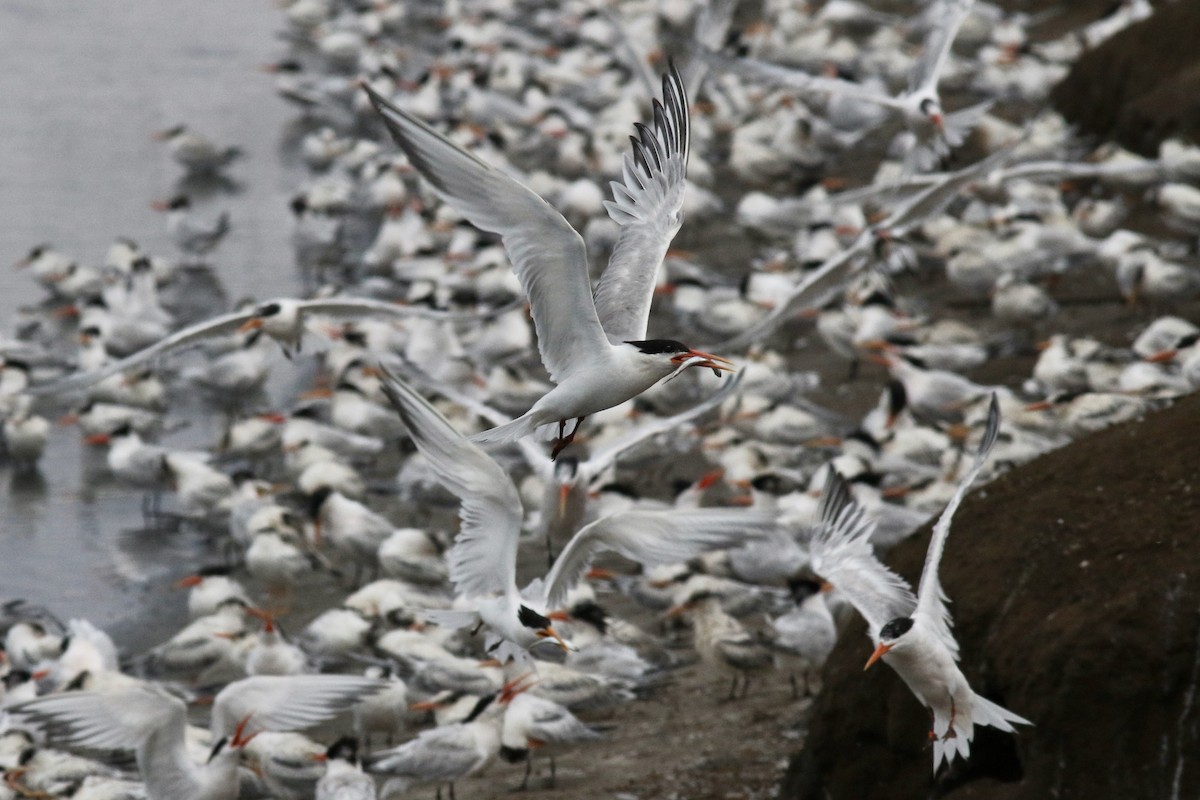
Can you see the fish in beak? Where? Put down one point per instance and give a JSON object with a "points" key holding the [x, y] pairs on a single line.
{"points": [[697, 358]]}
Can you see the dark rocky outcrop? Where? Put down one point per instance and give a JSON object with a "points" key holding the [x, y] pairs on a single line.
{"points": [[1075, 583], [1142, 85]]}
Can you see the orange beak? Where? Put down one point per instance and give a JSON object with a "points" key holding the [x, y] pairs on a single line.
{"points": [[97, 439], [709, 479], [938, 121], [677, 611], [550, 633], [558, 616], [1041, 405], [320, 757], [878, 654], [1162, 356], [239, 738], [252, 324], [564, 492], [424, 705], [189, 581], [599, 574]]}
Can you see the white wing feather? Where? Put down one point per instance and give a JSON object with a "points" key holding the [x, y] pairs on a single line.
{"points": [[653, 537], [287, 702], [646, 204], [841, 553], [931, 599], [483, 559], [122, 720], [928, 70], [548, 256], [187, 337]]}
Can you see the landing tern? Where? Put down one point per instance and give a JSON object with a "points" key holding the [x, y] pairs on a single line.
{"points": [[912, 634], [483, 560], [593, 347]]}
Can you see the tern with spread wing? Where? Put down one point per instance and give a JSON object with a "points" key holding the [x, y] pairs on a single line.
{"points": [[932, 132], [912, 634], [483, 560], [595, 349], [282, 320], [152, 723]]}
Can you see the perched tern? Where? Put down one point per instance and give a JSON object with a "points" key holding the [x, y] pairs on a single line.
{"points": [[912, 634], [483, 560], [594, 348], [344, 778]]}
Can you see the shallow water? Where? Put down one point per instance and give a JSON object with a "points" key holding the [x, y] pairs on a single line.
{"points": [[85, 84]]}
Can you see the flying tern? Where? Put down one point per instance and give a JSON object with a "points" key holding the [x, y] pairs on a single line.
{"points": [[912, 634], [595, 349], [932, 131], [483, 560], [282, 319], [148, 720]]}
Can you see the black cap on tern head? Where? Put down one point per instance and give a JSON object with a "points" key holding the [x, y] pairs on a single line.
{"points": [[895, 629], [655, 347], [532, 619], [345, 748]]}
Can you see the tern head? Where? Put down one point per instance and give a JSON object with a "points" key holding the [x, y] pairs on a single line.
{"points": [[264, 315], [345, 748], [932, 109], [540, 625], [678, 356], [891, 635]]}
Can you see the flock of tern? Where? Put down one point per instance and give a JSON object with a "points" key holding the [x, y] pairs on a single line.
{"points": [[451, 226]]}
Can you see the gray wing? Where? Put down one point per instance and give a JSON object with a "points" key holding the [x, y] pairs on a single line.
{"points": [[600, 459], [936, 49], [484, 556], [646, 204], [181, 339], [931, 599], [287, 702], [653, 537], [440, 754], [548, 256], [841, 553]]}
